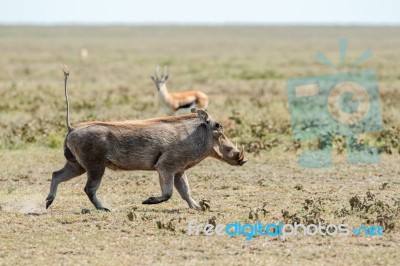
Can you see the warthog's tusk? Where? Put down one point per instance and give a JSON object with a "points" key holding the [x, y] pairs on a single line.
{"points": [[241, 153]]}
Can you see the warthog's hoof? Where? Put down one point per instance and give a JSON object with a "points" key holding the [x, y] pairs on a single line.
{"points": [[194, 206], [151, 200], [49, 201], [103, 209]]}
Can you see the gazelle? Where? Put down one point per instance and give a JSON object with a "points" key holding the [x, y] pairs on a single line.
{"points": [[178, 102]]}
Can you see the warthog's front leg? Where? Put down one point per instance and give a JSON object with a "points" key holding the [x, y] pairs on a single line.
{"points": [[167, 185], [69, 171], [182, 185]]}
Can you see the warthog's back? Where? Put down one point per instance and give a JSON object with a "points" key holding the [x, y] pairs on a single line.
{"points": [[135, 145]]}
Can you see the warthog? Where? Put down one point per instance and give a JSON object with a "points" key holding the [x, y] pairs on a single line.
{"points": [[168, 145]]}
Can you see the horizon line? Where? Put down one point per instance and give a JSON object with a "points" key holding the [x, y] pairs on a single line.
{"points": [[218, 24]]}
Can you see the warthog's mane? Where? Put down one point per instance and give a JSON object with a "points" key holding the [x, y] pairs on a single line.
{"points": [[152, 121]]}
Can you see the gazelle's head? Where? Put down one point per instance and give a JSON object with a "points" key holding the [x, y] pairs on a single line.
{"points": [[161, 82]]}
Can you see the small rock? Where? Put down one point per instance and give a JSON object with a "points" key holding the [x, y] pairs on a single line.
{"points": [[131, 216], [298, 187], [85, 211]]}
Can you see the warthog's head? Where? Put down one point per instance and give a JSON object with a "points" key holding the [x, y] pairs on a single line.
{"points": [[223, 148]]}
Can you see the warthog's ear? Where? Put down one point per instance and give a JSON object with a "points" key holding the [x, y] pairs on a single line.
{"points": [[203, 114]]}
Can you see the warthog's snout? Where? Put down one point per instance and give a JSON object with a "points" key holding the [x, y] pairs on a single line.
{"points": [[237, 156], [230, 153]]}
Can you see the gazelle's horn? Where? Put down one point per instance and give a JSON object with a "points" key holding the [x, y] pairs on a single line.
{"points": [[165, 73], [156, 71]]}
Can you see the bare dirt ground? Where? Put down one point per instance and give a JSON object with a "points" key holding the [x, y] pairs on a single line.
{"points": [[243, 70], [63, 235]]}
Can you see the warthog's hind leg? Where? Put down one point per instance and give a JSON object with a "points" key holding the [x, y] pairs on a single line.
{"points": [[182, 185], [92, 184], [167, 185], [69, 171]]}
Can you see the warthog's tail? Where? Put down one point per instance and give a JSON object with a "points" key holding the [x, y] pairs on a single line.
{"points": [[66, 74]]}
